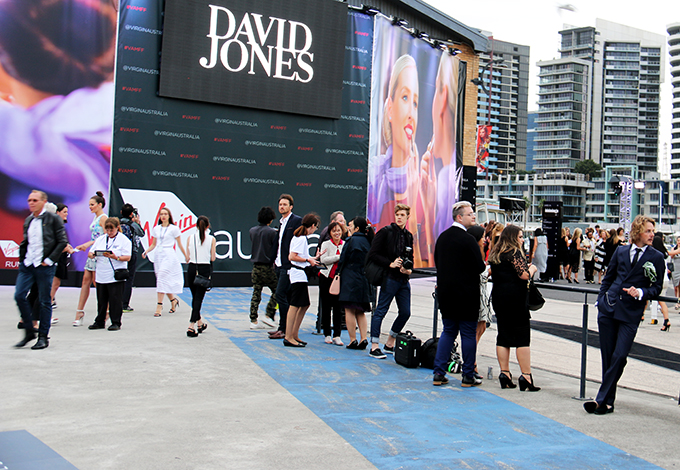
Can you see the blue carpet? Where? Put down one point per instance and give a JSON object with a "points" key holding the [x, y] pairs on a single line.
{"points": [[396, 419], [20, 450]]}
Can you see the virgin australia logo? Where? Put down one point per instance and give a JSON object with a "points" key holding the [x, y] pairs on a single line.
{"points": [[274, 47]]}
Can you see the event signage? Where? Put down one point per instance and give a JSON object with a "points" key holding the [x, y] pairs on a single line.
{"points": [[226, 162], [261, 54]]}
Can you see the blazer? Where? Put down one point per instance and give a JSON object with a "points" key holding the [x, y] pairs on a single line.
{"points": [[384, 249], [459, 264], [54, 237], [294, 222], [612, 301]]}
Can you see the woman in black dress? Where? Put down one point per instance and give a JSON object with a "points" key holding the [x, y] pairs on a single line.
{"points": [[511, 273], [575, 250]]}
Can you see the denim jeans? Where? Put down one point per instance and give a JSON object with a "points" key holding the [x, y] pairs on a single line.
{"points": [[42, 276], [400, 290], [468, 339]]}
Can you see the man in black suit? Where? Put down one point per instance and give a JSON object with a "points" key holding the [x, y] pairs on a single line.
{"points": [[289, 222], [634, 276], [44, 240], [459, 264]]}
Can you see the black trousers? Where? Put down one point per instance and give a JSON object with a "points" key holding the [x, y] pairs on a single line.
{"points": [[329, 302], [282, 296], [132, 268], [589, 269], [616, 339], [197, 292], [110, 296]]}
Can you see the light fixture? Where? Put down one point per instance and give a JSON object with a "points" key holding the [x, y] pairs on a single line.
{"points": [[454, 52], [369, 10], [399, 22]]}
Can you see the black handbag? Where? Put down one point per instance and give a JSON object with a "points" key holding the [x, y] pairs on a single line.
{"points": [[374, 273], [200, 280], [535, 300], [121, 274]]}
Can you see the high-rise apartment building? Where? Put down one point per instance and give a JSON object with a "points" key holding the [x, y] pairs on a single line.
{"points": [[599, 101], [509, 98], [674, 51]]}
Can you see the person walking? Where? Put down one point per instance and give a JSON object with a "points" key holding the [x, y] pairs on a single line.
{"points": [[201, 250], [355, 291], [575, 250], [332, 250], [659, 245], [166, 266], [129, 225], [264, 242], [61, 272], [539, 255], [511, 274], [634, 277], [44, 241], [393, 250], [112, 252], [459, 263], [588, 246]]}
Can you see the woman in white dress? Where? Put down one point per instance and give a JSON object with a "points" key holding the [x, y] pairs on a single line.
{"points": [[168, 269]]}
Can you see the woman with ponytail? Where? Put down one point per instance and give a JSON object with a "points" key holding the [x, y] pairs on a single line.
{"points": [[201, 250]]}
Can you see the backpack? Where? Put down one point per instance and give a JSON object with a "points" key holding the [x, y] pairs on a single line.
{"points": [[130, 233]]}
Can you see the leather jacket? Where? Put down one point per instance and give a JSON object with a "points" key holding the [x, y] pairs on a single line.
{"points": [[54, 236]]}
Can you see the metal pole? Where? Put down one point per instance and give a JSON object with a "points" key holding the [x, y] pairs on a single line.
{"points": [[435, 315], [584, 350]]}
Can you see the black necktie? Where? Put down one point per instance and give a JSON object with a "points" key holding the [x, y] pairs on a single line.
{"points": [[636, 257]]}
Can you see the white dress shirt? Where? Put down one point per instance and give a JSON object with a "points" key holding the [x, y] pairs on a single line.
{"points": [[282, 228], [35, 250]]}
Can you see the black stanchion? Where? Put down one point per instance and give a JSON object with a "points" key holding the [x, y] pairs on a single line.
{"points": [[584, 349]]}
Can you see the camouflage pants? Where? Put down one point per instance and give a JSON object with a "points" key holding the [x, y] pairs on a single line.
{"points": [[263, 276]]}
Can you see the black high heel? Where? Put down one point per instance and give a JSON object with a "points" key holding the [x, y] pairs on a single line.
{"points": [[506, 380], [174, 305], [666, 325], [524, 384]]}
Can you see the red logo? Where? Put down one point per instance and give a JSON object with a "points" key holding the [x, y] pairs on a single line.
{"points": [[276, 163], [220, 178], [356, 136], [306, 149], [358, 101], [191, 118], [188, 155], [355, 170], [127, 170], [222, 139], [303, 184], [132, 7], [130, 129], [133, 48], [359, 67], [278, 128], [128, 88], [361, 33]]}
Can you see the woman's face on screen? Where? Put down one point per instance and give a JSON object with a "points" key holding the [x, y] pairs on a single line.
{"points": [[404, 111]]}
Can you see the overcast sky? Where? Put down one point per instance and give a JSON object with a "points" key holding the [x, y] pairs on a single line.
{"points": [[536, 23]]}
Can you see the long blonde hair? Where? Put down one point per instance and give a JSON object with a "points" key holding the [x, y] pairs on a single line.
{"points": [[507, 243], [577, 234]]}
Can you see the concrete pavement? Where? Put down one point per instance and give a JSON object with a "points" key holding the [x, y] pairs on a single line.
{"points": [[148, 397]]}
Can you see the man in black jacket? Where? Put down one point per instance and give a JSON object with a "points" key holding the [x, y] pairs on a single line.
{"points": [[264, 242], [459, 264], [44, 240], [129, 224], [289, 222], [392, 249]]}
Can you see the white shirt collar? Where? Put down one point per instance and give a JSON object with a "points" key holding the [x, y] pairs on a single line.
{"points": [[459, 225]]}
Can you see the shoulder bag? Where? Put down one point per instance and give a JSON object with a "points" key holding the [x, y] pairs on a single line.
{"points": [[335, 286], [200, 280], [535, 300]]}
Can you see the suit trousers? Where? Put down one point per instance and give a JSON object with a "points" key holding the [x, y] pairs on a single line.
{"points": [[110, 296], [468, 339], [282, 293], [616, 339], [197, 292]]}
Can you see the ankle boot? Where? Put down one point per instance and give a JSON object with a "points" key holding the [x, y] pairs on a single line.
{"points": [[42, 342], [28, 337]]}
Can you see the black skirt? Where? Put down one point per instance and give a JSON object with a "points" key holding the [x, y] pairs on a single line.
{"points": [[299, 294], [62, 267]]}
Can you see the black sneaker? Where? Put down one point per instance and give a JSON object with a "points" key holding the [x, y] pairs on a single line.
{"points": [[377, 354], [96, 326], [114, 328], [439, 380], [388, 350], [469, 381]]}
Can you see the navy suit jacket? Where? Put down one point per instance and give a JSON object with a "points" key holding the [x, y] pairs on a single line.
{"points": [[612, 301], [294, 222]]}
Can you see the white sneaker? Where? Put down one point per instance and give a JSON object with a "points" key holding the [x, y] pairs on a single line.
{"points": [[337, 341], [269, 321], [55, 320], [256, 326], [329, 340]]}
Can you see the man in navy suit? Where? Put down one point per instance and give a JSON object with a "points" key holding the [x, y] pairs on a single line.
{"points": [[634, 276], [459, 264], [289, 222]]}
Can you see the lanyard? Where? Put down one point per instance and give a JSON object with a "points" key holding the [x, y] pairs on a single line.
{"points": [[113, 242]]}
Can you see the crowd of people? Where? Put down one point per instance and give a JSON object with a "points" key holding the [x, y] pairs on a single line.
{"points": [[349, 260]]}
